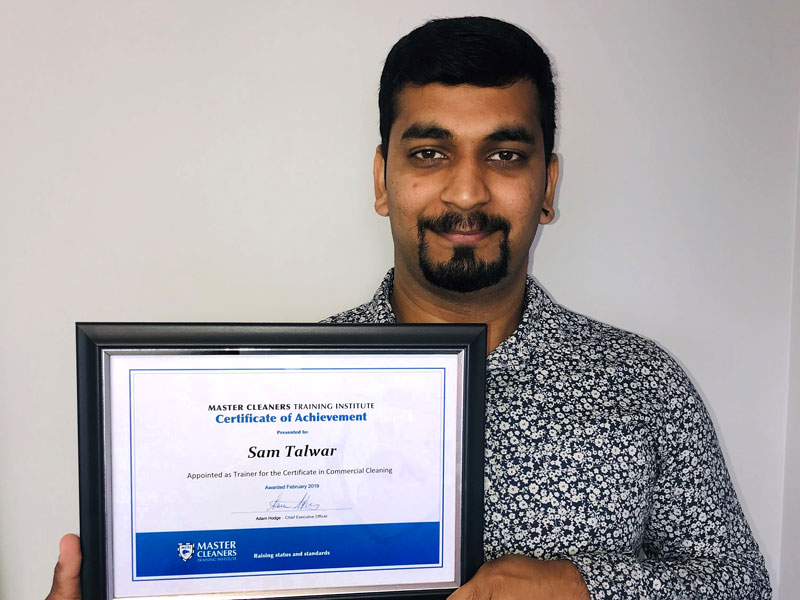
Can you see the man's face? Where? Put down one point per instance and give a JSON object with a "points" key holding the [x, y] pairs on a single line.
{"points": [[465, 183]]}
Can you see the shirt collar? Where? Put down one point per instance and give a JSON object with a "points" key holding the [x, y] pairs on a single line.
{"points": [[381, 304]]}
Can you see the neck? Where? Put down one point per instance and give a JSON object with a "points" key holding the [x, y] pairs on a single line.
{"points": [[499, 306]]}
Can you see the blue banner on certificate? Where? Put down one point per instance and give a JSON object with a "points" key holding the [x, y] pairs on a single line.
{"points": [[283, 473]]}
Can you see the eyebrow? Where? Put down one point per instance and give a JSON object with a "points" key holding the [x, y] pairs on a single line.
{"points": [[431, 131], [426, 131], [513, 133]]}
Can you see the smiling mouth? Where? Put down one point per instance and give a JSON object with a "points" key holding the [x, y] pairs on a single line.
{"points": [[462, 229], [466, 237]]}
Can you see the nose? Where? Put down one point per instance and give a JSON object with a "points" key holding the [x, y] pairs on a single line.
{"points": [[465, 188]]}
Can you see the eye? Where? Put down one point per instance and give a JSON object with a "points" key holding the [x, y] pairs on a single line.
{"points": [[506, 156], [427, 155]]}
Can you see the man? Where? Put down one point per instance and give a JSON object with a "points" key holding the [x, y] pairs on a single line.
{"points": [[603, 477]]}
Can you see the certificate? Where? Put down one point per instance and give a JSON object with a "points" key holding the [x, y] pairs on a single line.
{"points": [[262, 461]]}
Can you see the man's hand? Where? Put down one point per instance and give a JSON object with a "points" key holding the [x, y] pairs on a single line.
{"points": [[515, 577], [66, 578]]}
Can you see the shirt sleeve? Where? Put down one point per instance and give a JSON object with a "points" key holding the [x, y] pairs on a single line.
{"points": [[697, 543]]}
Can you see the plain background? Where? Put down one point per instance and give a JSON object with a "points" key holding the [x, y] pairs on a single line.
{"points": [[211, 161]]}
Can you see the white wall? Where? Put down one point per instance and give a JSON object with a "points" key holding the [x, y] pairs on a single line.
{"points": [[790, 551], [199, 160]]}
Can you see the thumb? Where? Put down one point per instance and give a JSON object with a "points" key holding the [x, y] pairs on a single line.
{"points": [[66, 578]]}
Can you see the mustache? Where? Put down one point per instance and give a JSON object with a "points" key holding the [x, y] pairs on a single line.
{"points": [[451, 222]]}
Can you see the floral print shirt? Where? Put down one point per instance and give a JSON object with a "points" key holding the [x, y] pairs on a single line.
{"points": [[600, 451]]}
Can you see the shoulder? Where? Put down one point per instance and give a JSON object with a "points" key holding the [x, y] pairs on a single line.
{"points": [[624, 373], [587, 344], [568, 332]]}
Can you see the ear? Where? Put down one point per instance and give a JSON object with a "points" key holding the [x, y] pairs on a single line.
{"points": [[379, 178], [548, 210]]}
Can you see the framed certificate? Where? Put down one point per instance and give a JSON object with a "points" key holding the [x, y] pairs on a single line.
{"points": [[280, 461]]}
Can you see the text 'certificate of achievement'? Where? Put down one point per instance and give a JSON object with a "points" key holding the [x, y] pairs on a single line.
{"points": [[300, 469]]}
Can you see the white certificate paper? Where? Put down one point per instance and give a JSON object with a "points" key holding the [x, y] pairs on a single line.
{"points": [[283, 474]]}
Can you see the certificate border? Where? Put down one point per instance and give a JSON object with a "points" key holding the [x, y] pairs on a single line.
{"points": [[295, 572], [93, 340]]}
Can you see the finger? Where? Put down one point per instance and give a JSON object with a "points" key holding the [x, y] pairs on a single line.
{"points": [[468, 591], [66, 578]]}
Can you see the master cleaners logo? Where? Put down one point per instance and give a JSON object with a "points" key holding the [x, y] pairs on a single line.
{"points": [[208, 551], [185, 551]]}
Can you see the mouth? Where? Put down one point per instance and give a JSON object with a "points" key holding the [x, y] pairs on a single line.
{"points": [[463, 238], [463, 230]]}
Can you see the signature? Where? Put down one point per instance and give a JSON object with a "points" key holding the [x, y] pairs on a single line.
{"points": [[303, 504]]}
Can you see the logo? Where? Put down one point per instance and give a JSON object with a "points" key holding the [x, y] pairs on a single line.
{"points": [[185, 551]]}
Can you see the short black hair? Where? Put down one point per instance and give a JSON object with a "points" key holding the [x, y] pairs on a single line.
{"points": [[477, 51]]}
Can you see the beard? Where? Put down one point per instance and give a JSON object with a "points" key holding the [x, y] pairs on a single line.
{"points": [[463, 272]]}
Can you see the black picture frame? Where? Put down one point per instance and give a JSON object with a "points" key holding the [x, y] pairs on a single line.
{"points": [[95, 340]]}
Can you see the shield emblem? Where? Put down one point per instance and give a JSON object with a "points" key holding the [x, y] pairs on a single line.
{"points": [[185, 551]]}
